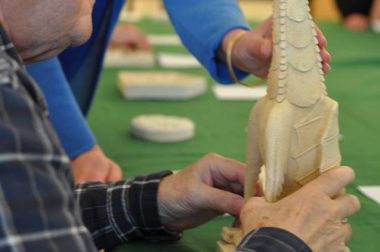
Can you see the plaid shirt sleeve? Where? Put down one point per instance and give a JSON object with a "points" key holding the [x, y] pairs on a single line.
{"points": [[270, 239], [121, 211], [37, 209]]}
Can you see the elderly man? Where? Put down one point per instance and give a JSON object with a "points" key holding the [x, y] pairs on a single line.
{"points": [[40, 212]]}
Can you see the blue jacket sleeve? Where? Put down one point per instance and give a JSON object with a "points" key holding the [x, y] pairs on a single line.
{"points": [[72, 80], [202, 25], [82, 65], [67, 119]]}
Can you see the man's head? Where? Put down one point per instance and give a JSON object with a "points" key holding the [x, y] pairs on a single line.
{"points": [[41, 29]]}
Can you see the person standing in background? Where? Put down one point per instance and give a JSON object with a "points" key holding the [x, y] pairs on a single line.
{"points": [[359, 15]]}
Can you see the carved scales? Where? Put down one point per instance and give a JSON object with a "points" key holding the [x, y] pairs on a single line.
{"points": [[296, 70], [293, 131]]}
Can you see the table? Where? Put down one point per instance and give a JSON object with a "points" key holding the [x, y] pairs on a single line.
{"points": [[221, 127]]}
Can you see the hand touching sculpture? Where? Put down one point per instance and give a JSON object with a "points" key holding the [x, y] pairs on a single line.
{"points": [[315, 213], [210, 187], [253, 52], [293, 131], [130, 37], [214, 184]]}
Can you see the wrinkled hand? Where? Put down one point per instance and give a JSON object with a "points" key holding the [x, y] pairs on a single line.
{"points": [[253, 52], [130, 37], [316, 213], [207, 188], [93, 165]]}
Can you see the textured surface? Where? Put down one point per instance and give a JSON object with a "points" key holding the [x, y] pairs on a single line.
{"points": [[293, 132], [160, 86], [221, 127], [162, 128]]}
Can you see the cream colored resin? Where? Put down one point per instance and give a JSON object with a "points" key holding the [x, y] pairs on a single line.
{"points": [[293, 131]]}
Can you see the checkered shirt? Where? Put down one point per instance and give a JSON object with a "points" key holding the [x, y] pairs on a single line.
{"points": [[40, 210]]}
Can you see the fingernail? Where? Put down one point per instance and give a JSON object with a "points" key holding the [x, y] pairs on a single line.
{"points": [[328, 56], [327, 68], [238, 205], [325, 41]]}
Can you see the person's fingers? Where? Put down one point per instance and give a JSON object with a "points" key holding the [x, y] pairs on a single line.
{"points": [[333, 181], [346, 249], [326, 68], [347, 205], [138, 43], [266, 27], [114, 173], [347, 231], [221, 201], [266, 50], [225, 170], [145, 45], [261, 72], [254, 203], [325, 55], [236, 188], [86, 174], [98, 177], [255, 48], [259, 189], [79, 179], [322, 41]]}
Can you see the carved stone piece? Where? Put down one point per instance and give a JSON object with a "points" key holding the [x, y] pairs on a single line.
{"points": [[293, 131]]}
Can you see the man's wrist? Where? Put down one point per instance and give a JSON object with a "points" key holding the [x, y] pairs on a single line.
{"points": [[144, 189]]}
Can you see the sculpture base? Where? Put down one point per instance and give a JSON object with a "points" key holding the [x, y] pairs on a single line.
{"points": [[231, 239]]}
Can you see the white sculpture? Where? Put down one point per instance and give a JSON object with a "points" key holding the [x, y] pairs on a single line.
{"points": [[293, 131]]}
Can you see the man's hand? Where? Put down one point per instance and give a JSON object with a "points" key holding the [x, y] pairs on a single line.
{"points": [[130, 37], [210, 187], [253, 52], [316, 213], [93, 165]]}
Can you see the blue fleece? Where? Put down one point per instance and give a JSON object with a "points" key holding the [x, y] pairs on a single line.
{"points": [[68, 120], [76, 71], [202, 24]]}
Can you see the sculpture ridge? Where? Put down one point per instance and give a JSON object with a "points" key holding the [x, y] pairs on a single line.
{"points": [[293, 131], [295, 50]]}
